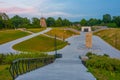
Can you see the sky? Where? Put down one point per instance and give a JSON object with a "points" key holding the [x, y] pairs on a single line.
{"points": [[74, 10]]}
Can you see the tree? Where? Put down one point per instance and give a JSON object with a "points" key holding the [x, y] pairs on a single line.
{"points": [[58, 22], [25, 22], [35, 22], [66, 22], [17, 21], [1, 22], [116, 19], [107, 18], [92, 22], [50, 22], [83, 22]]}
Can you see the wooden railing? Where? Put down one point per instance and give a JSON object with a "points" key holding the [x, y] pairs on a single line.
{"points": [[24, 65]]}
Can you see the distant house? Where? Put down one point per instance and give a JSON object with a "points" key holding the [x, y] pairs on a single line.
{"points": [[86, 29]]}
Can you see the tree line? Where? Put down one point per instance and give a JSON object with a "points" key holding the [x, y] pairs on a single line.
{"points": [[23, 22], [107, 20]]}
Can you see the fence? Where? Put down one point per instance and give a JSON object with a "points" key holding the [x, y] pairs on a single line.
{"points": [[24, 65]]}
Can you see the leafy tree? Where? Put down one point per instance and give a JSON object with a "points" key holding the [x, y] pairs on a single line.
{"points": [[92, 22], [83, 22], [1, 23], [50, 21], [66, 22], [26, 22], [17, 21], [116, 19], [35, 22], [106, 18], [58, 22]]}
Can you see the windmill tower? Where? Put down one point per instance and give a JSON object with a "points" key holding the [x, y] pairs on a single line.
{"points": [[43, 22]]}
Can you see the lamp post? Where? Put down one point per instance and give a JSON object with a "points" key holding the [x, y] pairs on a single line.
{"points": [[55, 45], [116, 39]]}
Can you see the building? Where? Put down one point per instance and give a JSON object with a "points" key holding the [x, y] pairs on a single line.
{"points": [[43, 22], [86, 29]]}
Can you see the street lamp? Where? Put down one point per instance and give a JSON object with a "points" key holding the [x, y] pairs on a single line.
{"points": [[57, 55], [116, 39], [55, 45]]}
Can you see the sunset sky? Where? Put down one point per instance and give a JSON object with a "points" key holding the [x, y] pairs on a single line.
{"points": [[73, 10]]}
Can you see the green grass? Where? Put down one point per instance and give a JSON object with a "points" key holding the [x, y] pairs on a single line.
{"points": [[35, 30], [39, 44], [104, 67], [112, 36], [9, 35], [61, 33], [101, 74]]}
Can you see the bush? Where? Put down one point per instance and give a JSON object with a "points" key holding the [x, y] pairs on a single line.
{"points": [[103, 62], [7, 59]]}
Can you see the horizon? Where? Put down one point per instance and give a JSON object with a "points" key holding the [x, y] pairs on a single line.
{"points": [[52, 8]]}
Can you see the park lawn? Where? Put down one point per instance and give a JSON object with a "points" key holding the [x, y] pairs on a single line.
{"points": [[62, 33], [35, 30], [112, 36], [39, 44], [4, 72], [9, 35]]}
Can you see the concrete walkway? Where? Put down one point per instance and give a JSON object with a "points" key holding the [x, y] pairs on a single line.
{"points": [[7, 47], [69, 67]]}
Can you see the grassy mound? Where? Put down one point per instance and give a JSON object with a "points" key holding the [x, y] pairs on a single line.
{"points": [[112, 36], [39, 44], [9, 35], [61, 33]]}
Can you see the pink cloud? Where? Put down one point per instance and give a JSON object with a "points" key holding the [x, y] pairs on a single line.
{"points": [[17, 10]]}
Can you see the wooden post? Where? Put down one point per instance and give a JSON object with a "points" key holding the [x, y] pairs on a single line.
{"points": [[89, 40]]}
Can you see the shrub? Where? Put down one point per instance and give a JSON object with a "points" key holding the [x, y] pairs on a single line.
{"points": [[104, 62], [7, 59]]}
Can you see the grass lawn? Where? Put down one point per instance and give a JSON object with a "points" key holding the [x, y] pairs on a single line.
{"points": [[61, 33], [35, 30], [9, 35], [112, 36], [39, 44]]}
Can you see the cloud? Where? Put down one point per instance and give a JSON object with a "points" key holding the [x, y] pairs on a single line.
{"points": [[2, 2], [17, 10], [59, 14]]}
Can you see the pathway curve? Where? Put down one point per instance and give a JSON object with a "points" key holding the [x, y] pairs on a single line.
{"points": [[69, 67], [7, 47]]}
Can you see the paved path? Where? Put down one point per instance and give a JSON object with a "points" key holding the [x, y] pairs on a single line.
{"points": [[69, 67], [7, 47]]}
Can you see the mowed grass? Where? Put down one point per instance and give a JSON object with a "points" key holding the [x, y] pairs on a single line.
{"points": [[62, 33], [112, 36], [9, 35], [35, 30], [39, 44]]}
